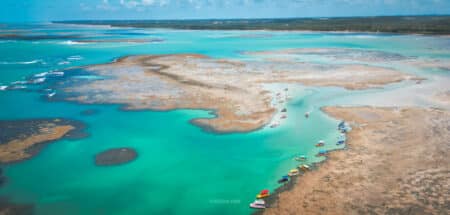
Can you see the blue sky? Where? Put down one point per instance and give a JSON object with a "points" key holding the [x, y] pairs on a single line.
{"points": [[48, 10]]}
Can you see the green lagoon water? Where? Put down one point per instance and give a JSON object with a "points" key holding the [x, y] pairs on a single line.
{"points": [[181, 169]]}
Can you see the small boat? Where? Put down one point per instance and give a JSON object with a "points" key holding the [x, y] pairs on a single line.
{"points": [[293, 172], [274, 125], [283, 179], [320, 143], [284, 110], [263, 194], [340, 142], [343, 127], [304, 167], [258, 204], [3, 87], [300, 158], [322, 153], [286, 89], [283, 116], [51, 94], [307, 114]]}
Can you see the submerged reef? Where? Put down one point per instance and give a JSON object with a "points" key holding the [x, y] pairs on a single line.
{"points": [[22, 139], [115, 156]]}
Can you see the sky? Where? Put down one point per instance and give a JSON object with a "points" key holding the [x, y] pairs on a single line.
{"points": [[53, 10]]}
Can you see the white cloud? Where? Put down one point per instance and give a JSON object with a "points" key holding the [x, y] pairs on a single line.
{"points": [[143, 3], [85, 7], [105, 5]]}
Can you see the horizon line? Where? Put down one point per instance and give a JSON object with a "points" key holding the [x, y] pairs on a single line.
{"points": [[261, 18]]}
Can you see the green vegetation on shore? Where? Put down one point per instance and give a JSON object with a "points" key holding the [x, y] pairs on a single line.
{"points": [[388, 24]]}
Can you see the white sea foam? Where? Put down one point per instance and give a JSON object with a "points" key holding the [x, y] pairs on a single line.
{"points": [[70, 42], [56, 73], [43, 74], [63, 63], [18, 82], [38, 80], [75, 57], [16, 87], [362, 36], [22, 62]]}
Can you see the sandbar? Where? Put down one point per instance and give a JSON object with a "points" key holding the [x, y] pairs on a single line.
{"points": [[233, 89]]}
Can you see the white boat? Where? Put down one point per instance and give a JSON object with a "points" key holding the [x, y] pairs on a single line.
{"points": [[304, 167], [3, 87], [258, 204], [51, 94], [274, 124], [293, 172]]}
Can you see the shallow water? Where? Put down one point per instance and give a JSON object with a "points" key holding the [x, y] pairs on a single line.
{"points": [[180, 168]]}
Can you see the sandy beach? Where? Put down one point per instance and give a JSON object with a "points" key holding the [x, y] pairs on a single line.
{"points": [[396, 162]]}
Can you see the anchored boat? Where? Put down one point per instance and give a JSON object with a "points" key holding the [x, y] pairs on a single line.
{"points": [[320, 143], [322, 153], [283, 179], [258, 204], [263, 194], [293, 172], [304, 167], [300, 158]]}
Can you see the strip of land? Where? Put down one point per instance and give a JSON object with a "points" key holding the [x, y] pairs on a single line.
{"points": [[234, 90], [390, 24], [396, 162]]}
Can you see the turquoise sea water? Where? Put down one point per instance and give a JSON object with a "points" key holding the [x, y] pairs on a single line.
{"points": [[180, 168]]}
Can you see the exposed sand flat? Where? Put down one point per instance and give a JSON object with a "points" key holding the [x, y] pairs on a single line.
{"points": [[233, 89], [347, 55], [397, 162], [19, 137], [335, 53]]}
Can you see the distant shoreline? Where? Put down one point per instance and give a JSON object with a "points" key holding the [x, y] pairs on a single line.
{"points": [[428, 25]]}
